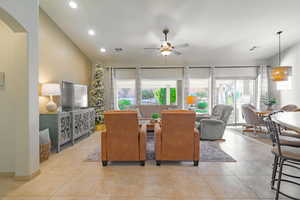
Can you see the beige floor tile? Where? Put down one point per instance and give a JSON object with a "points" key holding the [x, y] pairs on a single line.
{"points": [[37, 187], [68, 176], [229, 187], [77, 187], [80, 198], [25, 198], [8, 185]]}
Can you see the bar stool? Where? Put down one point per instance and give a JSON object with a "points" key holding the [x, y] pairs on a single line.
{"points": [[286, 153]]}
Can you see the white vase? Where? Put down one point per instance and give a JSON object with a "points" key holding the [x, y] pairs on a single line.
{"points": [[51, 106]]}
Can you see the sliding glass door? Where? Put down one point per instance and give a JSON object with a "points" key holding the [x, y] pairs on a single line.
{"points": [[235, 93]]}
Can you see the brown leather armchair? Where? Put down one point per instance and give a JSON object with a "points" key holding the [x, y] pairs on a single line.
{"points": [[124, 139], [176, 137]]}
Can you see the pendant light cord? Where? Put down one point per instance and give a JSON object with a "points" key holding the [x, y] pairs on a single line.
{"points": [[279, 47]]}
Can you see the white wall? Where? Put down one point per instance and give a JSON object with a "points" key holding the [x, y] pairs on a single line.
{"points": [[22, 158], [290, 57], [13, 61]]}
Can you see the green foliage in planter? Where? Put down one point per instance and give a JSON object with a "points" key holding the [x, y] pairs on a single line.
{"points": [[268, 100], [202, 104], [124, 103], [155, 116]]}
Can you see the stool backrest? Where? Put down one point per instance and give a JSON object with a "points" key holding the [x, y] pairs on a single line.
{"points": [[274, 130]]}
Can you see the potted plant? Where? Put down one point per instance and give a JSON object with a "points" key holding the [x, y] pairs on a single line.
{"points": [[155, 117], [269, 101]]}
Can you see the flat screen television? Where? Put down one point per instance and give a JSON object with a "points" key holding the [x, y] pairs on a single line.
{"points": [[73, 96]]}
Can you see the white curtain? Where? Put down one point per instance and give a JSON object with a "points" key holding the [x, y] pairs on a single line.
{"points": [[138, 86], [186, 84], [109, 85], [263, 85]]}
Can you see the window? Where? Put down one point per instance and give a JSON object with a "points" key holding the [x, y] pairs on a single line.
{"points": [[125, 93], [200, 88], [161, 92]]}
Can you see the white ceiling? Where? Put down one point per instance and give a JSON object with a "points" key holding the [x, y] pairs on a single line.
{"points": [[220, 32]]}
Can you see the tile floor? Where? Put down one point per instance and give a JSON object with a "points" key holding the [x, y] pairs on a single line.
{"points": [[66, 176]]}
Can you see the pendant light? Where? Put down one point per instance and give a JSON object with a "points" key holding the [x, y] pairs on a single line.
{"points": [[280, 73]]}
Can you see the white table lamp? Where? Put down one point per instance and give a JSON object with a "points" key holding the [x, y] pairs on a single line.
{"points": [[51, 89]]}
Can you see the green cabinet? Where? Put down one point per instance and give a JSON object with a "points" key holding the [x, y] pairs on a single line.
{"points": [[66, 127]]}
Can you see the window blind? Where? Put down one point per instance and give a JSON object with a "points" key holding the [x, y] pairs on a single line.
{"points": [[125, 74], [162, 74], [199, 73], [244, 73]]}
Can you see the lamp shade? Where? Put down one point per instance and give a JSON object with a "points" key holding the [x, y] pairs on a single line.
{"points": [[51, 89], [280, 73], [191, 99]]}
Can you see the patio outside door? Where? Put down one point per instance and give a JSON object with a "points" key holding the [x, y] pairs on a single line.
{"points": [[235, 93]]}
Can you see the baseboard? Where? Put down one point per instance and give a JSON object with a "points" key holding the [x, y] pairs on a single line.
{"points": [[7, 174], [27, 178]]}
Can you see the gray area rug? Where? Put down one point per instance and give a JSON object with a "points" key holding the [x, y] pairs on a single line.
{"points": [[210, 151]]}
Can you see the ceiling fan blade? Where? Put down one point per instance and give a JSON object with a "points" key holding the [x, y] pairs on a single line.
{"points": [[151, 48], [182, 45], [177, 53]]}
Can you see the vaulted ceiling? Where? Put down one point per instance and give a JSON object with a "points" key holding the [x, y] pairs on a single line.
{"points": [[220, 32]]}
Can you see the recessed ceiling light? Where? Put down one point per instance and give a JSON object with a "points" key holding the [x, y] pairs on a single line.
{"points": [[103, 50], [91, 32], [73, 4]]}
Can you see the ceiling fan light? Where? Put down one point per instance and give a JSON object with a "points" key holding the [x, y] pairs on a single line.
{"points": [[165, 52], [164, 43]]}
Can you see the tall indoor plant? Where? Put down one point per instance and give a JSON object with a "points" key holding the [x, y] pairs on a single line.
{"points": [[97, 93]]}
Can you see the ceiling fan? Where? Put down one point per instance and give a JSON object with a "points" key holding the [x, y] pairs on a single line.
{"points": [[166, 48]]}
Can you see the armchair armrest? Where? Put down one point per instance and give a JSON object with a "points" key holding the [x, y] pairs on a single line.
{"points": [[212, 129], [157, 131], [212, 122], [142, 142], [196, 133], [157, 128], [201, 117], [104, 146]]}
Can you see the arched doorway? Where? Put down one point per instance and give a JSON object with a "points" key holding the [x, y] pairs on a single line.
{"points": [[18, 135]]}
